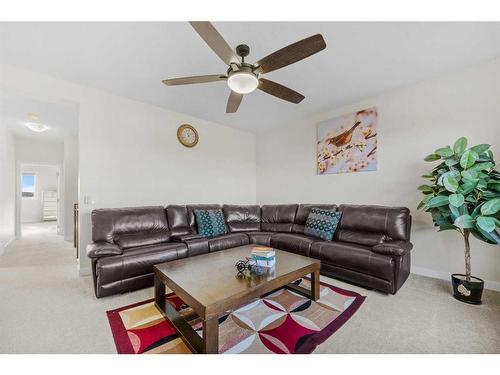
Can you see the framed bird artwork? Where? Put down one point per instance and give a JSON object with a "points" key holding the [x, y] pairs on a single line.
{"points": [[348, 143]]}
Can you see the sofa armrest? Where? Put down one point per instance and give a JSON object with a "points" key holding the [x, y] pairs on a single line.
{"points": [[397, 248], [185, 237], [102, 249]]}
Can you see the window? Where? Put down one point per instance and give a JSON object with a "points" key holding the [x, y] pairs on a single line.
{"points": [[28, 185]]}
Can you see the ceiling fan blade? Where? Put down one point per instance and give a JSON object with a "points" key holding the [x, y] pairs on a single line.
{"points": [[215, 41], [292, 53], [194, 79], [280, 91], [233, 102]]}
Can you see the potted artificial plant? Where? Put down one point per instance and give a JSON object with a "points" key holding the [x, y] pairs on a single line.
{"points": [[464, 195]]}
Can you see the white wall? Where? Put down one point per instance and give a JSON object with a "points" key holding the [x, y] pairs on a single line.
{"points": [[39, 151], [7, 187], [129, 154], [46, 179], [70, 173], [413, 122]]}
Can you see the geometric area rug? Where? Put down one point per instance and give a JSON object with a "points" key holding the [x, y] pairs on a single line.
{"points": [[282, 322]]}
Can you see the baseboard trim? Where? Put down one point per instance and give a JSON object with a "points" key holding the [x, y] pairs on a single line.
{"points": [[492, 285]]}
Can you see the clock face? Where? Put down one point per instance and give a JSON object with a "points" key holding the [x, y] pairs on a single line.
{"points": [[187, 135]]}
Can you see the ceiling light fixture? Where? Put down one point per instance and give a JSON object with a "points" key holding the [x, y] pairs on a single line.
{"points": [[242, 82], [36, 127]]}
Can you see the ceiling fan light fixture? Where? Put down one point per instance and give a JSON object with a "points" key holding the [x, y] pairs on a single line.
{"points": [[36, 127], [242, 82]]}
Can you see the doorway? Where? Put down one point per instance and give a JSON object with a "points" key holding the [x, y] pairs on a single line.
{"points": [[39, 197]]}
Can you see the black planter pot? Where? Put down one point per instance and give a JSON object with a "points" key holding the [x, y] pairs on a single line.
{"points": [[467, 291]]}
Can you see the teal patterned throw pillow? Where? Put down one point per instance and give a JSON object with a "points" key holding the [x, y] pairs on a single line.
{"points": [[210, 223], [322, 223]]}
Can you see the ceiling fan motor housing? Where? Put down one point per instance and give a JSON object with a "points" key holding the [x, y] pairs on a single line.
{"points": [[243, 50]]}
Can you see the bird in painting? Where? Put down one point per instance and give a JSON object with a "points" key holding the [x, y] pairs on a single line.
{"points": [[343, 138]]}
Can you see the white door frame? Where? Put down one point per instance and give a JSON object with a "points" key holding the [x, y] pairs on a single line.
{"points": [[60, 194]]}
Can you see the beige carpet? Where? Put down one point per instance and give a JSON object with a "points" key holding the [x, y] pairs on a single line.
{"points": [[46, 308]]}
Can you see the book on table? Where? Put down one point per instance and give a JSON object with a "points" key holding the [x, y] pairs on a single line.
{"points": [[264, 256]]}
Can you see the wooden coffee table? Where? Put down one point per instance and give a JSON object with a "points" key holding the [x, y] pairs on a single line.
{"points": [[210, 286]]}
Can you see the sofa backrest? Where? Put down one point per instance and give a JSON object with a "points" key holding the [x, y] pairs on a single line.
{"points": [[192, 218], [242, 218], [278, 217], [370, 225], [303, 212], [178, 221], [109, 224]]}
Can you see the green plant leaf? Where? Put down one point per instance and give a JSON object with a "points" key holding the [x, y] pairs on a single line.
{"points": [[464, 222], [468, 159], [480, 148], [475, 213], [454, 212], [438, 201], [444, 152], [486, 223], [460, 145], [491, 207], [456, 200], [451, 162], [429, 175], [425, 189], [450, 183], [470, 174], [424, 201], [483, 166], [432, 157], [467, 186], [492, 237]]}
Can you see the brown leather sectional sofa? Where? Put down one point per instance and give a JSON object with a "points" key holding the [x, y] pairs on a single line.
{"points": [[371, 246]]}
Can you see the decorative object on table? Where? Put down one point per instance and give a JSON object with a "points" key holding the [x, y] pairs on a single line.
{"points": [[249, 265], [348, 143], [464, 195], [322, 223], [210, 222], [264, 257], [187, 135], [243, 77], [290, 323]]}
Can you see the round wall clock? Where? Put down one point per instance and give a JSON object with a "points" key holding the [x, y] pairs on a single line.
{"points": [[187, 135]]}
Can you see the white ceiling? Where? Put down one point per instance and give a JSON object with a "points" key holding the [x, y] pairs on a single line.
{"points": [[62, 118], [361, 60]]}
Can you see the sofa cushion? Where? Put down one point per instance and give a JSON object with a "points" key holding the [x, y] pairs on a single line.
{"points": [[197, 246], [125, 241], [227, 241], [178, 221], [260, 238], [210, 223], [360, 238], [108, 223], [322, 223], [394, 222], [278, 218], [138, 261], [242, 218], [354, 257], [293, 242], [303, 212]]}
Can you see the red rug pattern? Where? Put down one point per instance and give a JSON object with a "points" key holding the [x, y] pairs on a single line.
{"points": [[282, 322]]}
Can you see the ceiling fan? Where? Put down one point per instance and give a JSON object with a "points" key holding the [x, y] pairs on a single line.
{"points": [[242, 77]]}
